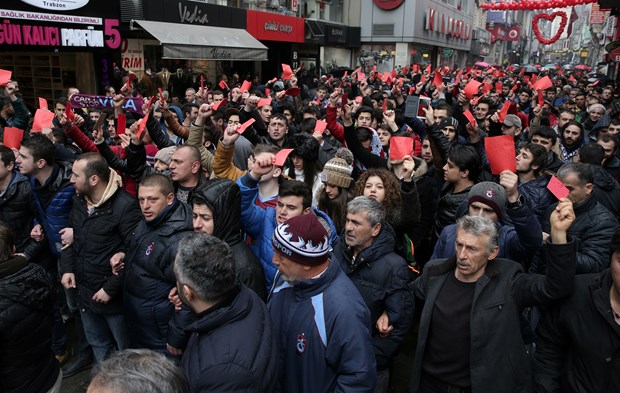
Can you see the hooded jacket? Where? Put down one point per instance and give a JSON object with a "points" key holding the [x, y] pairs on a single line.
{"points": [[606, 190], [17, 210], [578, 349], [383, 279], [233, 347], [27, 364], [149, 277], [224, 200]]}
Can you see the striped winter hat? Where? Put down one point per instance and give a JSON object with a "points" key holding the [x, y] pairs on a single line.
{"points": [[302, 239]]}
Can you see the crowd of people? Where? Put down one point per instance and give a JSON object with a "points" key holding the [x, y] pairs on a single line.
{"points": [[288, 237]]}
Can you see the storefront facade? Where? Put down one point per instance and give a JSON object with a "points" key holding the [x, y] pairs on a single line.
{"points": [[333, 46], [51, 45], [398, 33]]}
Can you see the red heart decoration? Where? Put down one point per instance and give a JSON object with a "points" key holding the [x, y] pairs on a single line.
{"points": [[550, 18]]}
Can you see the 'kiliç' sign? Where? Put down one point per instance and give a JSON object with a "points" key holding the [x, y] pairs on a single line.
{"points": [[131, 104]]}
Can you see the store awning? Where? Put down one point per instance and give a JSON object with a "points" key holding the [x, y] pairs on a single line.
{"points": [[191, 42]]}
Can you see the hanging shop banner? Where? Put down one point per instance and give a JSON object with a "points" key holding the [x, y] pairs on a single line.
{"points": [[190, 12], [60, 25], [266, 26]]}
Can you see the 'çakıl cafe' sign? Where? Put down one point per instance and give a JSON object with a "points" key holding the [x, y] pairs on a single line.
{"points": [[60, 24]]}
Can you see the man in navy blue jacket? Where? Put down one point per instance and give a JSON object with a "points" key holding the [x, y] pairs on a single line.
{"points": [[318, 314]]}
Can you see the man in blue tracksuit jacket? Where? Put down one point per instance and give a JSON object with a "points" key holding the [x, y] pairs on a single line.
{"points": [[318, 314]]}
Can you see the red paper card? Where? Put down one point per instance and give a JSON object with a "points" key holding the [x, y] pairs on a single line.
{"points": [[267, 92], [572, 79], [142, 125], [202, 82], [534, 78], [13, 137], [437, 79], [5, 77], [320, 126], [470, 117], [595, 83], [344, 101], [475, 101], [287, 72], [400, 146], [68, 112], [471, 89], [501, 153], [486, 88], [423, 79], [245, 86], [558, 189], [223, 85], [428, 69], [458, 77], [121, 124], [245, 125], [292, 91], [161, 94], [129, 81], [217, 105], [43, 103], [543, 83], [514, 88], [357, 70], [522, 72], [281, 156], [498, 87], [502, 113], [384, 106], [264, 101], [541, 100], [42, 119]]}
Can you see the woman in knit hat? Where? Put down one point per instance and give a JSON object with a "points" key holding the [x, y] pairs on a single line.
{"points": [[333, 199]]}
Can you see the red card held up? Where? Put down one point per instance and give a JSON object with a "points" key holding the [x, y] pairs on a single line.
{"points": [[13, 137], [287, 72], [43, 103], [458, 77], [471, 89], [281, 156], [245, 125], [129, 81], [264, 101], [437, 79], [558, 189], [320, 126], [543, 83], [42, 119], [292, 91], [344, 101], [217, 105], [5, 77], [272, 81], [384, 106], [202, 82], [142, 125], [470, 117], [161, 94], [121, 124], [223, 85], [246, 86], [361, 76], [400, 146], [541, 100], [504, 111], [68, 112], [501, 153], [498, 87], [428, 69]]}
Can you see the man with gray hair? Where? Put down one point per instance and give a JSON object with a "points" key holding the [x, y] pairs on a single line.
{"points": [[366, 254], [594, 225], [138, 371], [469, 336], [233, 345]]}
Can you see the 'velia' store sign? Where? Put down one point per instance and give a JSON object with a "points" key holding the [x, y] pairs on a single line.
{"points": [[438, 22]]}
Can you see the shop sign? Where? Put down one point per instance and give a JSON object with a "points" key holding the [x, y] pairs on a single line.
{"points": [[275, 27], [513, 33], [57, 5], [485, 50], [388, 5], [615, 56], [336, 34], [22, 28], [132, 55], [447, 52], [436, 21], [194, 13]]}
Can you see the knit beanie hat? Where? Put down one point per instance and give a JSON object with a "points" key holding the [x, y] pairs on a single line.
{"points": [[165, 155], [449, 122], [337, 172], [596, 106], [302, 239], [489, 193], [345, 154]]}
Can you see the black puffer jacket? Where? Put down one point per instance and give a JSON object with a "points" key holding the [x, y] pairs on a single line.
{"points": [[224, 199], [233, 347], [383, 279], [592, 230], [537, 196], [606, 190], [449, 202], [149, 277], [578, 349], [17, 210], [27, 364], [96, 238]]}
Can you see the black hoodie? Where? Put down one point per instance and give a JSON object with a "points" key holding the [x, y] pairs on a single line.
{"points": [[224, 199]]}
